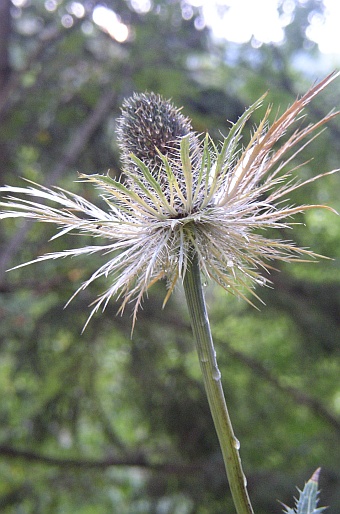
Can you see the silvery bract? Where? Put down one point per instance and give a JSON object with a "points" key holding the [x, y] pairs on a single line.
{"points": [[182, 194]]}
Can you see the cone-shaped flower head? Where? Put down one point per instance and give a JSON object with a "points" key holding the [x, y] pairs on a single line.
{"points": [[151, 128], [181, 196], [148, 125]]}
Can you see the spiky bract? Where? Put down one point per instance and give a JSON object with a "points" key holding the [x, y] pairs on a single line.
{"points": [[191, 198]]}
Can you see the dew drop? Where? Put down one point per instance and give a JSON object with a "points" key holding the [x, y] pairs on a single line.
{"points": [[216, 374], [236, 443]]}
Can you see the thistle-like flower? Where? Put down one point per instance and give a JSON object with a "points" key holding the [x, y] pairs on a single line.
{"points": [[182, 195], [148, 126]]}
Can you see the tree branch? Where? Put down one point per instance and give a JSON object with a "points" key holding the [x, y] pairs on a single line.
{"points": [[14, 85], [5, 32], [137, 460], [298, 396]]}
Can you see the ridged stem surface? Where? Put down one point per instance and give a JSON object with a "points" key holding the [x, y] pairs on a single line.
{"points": [[213, 387]]}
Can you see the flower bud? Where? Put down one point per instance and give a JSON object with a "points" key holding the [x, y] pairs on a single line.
{"points": [[150, 123]]}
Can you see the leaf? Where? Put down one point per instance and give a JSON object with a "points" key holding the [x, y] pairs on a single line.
{"points": [[308, 499]]}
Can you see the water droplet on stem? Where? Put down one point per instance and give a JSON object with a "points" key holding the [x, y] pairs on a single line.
{"points": [[236, 443]]}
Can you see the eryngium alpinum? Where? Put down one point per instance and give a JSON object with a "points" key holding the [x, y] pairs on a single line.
{"points": [[182, 195]]}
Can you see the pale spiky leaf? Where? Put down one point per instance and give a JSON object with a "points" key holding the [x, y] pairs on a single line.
{"points": [[308, 498]]}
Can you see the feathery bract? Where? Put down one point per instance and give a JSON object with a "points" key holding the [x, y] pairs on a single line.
{"points": [[181, 194]]}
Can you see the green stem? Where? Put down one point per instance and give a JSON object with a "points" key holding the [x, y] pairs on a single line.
{"points": [[213, 387]]}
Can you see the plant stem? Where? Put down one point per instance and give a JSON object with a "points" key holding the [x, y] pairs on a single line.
{"points": [[213, 387]]}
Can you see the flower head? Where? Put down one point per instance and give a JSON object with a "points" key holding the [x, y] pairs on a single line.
{"points": [[152, 129], [181, 195], [148, 125]]}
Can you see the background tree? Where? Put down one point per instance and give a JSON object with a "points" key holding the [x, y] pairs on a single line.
{"points": [[97, 422]]}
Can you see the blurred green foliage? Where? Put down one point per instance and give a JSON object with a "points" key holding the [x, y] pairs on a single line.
{"points": [[100, 422]]}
